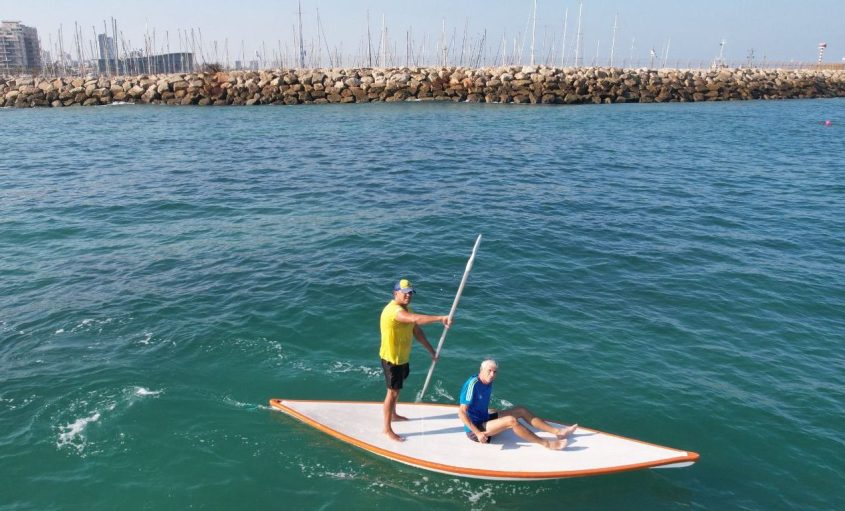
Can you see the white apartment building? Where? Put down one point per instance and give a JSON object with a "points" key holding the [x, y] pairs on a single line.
{"points": [[19, 48]]}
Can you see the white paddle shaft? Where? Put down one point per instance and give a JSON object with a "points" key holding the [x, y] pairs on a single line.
{"points": [[451, 315]]}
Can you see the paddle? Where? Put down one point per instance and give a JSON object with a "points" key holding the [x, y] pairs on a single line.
{"points": [[451, 315]]}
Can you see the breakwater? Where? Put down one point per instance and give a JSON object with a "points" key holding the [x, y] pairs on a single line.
{"points": [[528, 84]]}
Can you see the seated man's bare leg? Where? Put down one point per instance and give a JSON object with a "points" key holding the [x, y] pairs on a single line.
{"points": [[566, 431], [496, 426], [520, 412]]}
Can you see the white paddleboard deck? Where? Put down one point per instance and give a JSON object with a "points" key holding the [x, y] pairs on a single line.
{"points": [[435, 440]]}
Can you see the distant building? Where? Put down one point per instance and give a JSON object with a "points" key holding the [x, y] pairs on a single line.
{"points": [[20, 50], [107, 63], [136, 63], [108, 50]]}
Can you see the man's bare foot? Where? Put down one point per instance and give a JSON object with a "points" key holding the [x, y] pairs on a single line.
{"points": [[393, 436], [397, 417], [565, 432], [556, 445]]}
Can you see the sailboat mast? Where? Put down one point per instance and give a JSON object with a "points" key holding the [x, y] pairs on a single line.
{"points": [[369, 42], [383, 42], [301, 44], [563, 40], [533, 32], [613, 39], [578, 34]]}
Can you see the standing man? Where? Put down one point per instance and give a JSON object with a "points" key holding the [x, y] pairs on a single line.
{"points": [[481, 425], [398, 324]]}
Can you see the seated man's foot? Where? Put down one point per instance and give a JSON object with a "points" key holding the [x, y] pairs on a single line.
{"points": [[393, 436], [556, 445], [397, 417], [565, 432]]}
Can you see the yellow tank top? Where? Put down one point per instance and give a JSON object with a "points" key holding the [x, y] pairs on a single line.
{"points": [[396, 337]]}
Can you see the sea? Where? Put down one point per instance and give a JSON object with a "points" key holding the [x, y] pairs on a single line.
{"points": [[673, 273]]}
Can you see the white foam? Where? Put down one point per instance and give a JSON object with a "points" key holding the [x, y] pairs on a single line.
{"points": [[345, 367], [147, 337], [90, 323], [144, 392], [443, 393], [474, 497], [340, 475], [72, 434], [301, 366], [82, 324], [60, 330], [248, 406], [25, 401]]}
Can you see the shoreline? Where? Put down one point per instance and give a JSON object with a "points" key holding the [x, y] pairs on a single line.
{"points": [[509, 84]]}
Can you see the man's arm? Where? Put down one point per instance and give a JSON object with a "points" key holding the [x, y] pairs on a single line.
{"points": [[480, 435], [404, 316], [421, 338]]}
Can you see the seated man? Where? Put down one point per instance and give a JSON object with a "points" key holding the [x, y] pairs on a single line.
{"points": [[481, 425]]}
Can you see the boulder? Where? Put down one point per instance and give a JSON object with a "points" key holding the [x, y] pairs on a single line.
{"points": [[136, 91], [571, 98]]}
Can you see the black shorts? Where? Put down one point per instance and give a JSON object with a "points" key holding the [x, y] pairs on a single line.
{"points": [[394, 375], [482, 426]]}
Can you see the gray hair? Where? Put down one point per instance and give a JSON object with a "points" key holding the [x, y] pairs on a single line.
{"points": [[489, 362]]}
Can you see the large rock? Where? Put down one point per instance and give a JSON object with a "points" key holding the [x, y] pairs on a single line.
{"points": [[136, 91]]}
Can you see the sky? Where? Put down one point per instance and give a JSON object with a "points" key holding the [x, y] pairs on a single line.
{"points": [[679, 32]]}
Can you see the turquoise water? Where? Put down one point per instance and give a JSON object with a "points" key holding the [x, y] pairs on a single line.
{"points": [[674, 273]]}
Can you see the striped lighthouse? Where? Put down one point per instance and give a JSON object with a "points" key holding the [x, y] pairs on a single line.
{"points": [[822, 46]]}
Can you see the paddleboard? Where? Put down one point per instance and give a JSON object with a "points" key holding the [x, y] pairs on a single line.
{"points": [[435, 440]]}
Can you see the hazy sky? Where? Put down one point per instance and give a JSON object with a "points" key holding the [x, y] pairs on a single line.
{"points": [[777, 30]]}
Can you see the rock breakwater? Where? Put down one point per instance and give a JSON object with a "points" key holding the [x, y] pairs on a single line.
{"points": [[529, 84]]}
